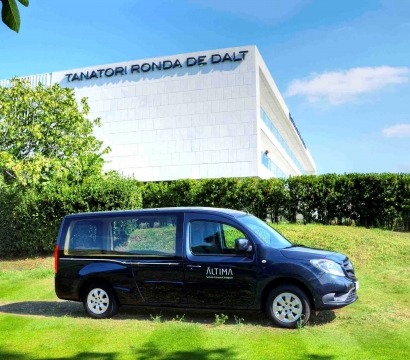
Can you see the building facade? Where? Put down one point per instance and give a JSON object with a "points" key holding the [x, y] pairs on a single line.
{"points": [[208, 114]]}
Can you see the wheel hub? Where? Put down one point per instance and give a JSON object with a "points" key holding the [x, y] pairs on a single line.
{"points": [[287, 307], [98, 301]]}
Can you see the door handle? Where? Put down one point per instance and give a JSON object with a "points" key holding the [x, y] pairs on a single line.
{"points": [[194, 266]]}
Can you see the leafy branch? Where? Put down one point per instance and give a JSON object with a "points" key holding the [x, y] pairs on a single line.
{"points": [[10, 14]]}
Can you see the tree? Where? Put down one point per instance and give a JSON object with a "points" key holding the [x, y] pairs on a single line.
{"points": [[10, 13], [45, 135]]}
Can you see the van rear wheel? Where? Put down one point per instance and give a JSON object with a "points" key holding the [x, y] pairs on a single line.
{"points": [[99, 301], [288, 306]]}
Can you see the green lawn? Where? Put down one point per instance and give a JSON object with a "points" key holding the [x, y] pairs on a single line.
{"points": [[35, 325]]}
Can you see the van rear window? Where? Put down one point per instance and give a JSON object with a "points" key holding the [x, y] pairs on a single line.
{"points": [[142, 235]]}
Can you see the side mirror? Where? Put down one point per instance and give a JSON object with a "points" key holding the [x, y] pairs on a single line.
{"points": [[243, 246]]}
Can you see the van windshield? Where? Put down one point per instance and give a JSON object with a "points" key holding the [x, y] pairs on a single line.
{"points": [[264, 232]]}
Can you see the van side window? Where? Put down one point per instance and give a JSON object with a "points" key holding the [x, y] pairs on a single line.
{"points": [[148, 235], [213, 238], [119, 236], [85, 236]]}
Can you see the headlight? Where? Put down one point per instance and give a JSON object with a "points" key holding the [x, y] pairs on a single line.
{"points": [[328, 266]]}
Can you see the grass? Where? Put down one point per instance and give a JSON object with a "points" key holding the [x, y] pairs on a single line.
{"points": [[35, 325]]}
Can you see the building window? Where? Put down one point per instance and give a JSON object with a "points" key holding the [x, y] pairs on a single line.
{"points": [[270, 165], [275, 132]]}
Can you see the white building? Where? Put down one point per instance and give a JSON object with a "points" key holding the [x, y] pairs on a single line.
{"points": [[209, 114]]}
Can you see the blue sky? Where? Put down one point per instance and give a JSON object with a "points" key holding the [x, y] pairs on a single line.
{"points": [[343, 67]]}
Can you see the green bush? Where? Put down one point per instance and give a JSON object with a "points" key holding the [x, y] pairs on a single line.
{"points": [[169, 194], [30, 218], [371, 200], [220, 192], [274, 198]]}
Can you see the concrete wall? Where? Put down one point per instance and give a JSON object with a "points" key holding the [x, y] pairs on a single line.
{"points": [[186, 122], [195, 115]]}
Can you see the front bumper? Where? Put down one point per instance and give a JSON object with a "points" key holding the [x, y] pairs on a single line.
{"points": [[335, 300], [336, 292]]}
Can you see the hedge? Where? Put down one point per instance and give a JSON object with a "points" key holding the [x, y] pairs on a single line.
{"points": [[372, 200], [29, 218]]}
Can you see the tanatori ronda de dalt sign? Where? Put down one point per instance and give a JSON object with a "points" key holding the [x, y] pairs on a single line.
{"points": [[157, 66]]}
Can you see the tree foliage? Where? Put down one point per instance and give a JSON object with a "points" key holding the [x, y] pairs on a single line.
{"points": [[45, 135], [10, 14]]}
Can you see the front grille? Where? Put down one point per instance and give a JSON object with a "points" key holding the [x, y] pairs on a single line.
{"points": [[348, 266]]}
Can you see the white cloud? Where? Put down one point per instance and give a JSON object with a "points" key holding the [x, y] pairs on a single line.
{"points": [[397, 131], [338, 87]]}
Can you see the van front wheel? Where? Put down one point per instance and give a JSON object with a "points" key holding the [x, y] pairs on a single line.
{"points": [[99, 301], [288, 306]]}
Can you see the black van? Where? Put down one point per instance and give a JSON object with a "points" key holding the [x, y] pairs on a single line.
{"points": [[196, 258]]}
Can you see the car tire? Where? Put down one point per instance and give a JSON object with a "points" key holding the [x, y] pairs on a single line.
{"points": [[288, 306], [99, 301]]}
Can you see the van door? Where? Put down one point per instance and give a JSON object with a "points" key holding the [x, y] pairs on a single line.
{"points": [[215, 274], [153, 242]]}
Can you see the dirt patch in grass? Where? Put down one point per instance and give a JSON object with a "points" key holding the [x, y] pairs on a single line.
{"points": [[27, 264]]}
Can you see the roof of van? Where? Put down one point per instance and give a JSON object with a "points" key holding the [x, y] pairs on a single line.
{"points": [[208, 210]]}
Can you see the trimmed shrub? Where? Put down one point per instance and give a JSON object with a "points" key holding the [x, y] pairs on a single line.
{"points": [[29, 219]]}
